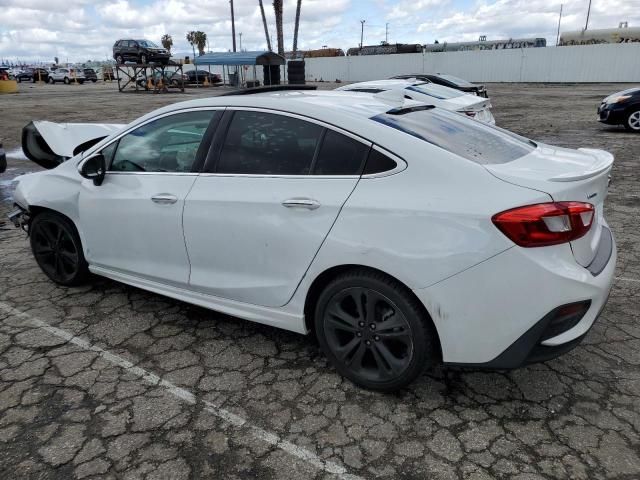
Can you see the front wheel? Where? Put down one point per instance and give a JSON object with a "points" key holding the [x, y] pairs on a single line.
{"points": [[374, 331], [66, 81], [57, 249], [632, 122], [143, 59]]}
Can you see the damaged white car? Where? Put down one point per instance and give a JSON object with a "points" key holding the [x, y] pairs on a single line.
{"points": [[401, 234]]}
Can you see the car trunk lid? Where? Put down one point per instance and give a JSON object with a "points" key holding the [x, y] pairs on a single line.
{"points": [[566, 175]]}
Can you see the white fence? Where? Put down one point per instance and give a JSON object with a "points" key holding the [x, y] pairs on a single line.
{"points": [[585, 63]]}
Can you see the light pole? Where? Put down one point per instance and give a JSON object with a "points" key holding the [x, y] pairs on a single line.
{"points": [[362, 33], [559, 20], [586, 25], [240, 34], [386, 33], [233, 26]]}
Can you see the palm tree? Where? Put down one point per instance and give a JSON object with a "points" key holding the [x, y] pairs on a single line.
{"points": [[277, 10], [167, 41], [197, 39], [264, 22], [295, 30]]}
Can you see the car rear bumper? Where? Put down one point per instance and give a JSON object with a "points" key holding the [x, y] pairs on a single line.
{"points": [[503, 313]]}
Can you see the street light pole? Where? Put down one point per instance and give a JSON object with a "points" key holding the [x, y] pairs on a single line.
{"points": [[240, 34], [559, 20], [586, 25], [386, 33], [233, 26], [361, 33]]}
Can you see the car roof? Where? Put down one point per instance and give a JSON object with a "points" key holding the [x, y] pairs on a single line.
{"points": [[386, 84], [348, 110]]}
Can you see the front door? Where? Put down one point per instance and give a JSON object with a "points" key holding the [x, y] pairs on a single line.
{"points": [[255, 219], [132, 223]]}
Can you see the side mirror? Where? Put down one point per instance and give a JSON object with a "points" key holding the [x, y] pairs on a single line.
{"points": [[94, 168]]}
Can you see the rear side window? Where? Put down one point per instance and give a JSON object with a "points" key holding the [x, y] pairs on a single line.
{"points": [[470, 139], [340, 155], [378, 162], [268, 144]]}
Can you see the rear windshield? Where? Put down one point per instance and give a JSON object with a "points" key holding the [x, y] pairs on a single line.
{"points": [[455, 133], [459, 81], [437, 91]]}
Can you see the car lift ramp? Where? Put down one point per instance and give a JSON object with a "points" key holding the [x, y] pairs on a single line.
{"points": [[129, 73]]}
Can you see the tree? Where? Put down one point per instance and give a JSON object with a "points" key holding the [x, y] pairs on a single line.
{"points": [[295, 30], [56, 59], [197, 39], [167, 41], [277, 10], [264, 22]]}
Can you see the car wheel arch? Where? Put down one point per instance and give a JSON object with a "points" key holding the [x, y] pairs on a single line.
{"points": [[327, 276]]}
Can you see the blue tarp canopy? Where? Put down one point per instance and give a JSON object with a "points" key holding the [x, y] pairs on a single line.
{"points": [[240, 58]]}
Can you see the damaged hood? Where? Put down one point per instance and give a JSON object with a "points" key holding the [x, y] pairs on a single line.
{"points": [[49, 144]]}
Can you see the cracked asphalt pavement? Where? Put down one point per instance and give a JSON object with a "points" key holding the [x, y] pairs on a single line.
{"points": [[109, 381]]}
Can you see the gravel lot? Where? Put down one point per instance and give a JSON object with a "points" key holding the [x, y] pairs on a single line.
{"points": [[108, 381]]}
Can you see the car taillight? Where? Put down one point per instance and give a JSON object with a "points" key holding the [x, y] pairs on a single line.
{"points": [[545, 224]]}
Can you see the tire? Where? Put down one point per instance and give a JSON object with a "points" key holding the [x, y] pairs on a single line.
{"points": [[143, 59], [632, 121], [94, 80], [119, 60], [51, 80], [56, 246], [387, 357], [19, 80], [81, 82], [66, 81]]}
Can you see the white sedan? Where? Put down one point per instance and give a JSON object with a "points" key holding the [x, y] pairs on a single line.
{"points": [[400, 235], [429, 93]]}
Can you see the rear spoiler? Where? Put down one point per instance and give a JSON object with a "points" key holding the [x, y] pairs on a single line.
{"points": [[49, 144]]}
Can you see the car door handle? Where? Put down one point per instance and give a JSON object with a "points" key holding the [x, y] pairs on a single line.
{"points": [[164, 199], [308, 203]]}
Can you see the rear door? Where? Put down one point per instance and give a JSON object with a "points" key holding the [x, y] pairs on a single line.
{"points": [[270, 193]]}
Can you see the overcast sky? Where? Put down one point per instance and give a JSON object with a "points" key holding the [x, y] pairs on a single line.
{"points": [[79, 30]]}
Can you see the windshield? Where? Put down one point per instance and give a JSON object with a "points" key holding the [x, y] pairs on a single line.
{"points": [[459, 81], [455, 133], [147, 44], [436, 91]]}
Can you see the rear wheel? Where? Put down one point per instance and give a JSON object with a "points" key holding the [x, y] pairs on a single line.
{"points": [[374, 331], [119, 59], [66, 80], [57, 249], [143, 59], [633, 121]]}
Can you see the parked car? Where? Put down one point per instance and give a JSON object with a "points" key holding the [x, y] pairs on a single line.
{"points": [[191, 76], [427, 92], [33, 75], [622, 108], [90, 74], [3, 159], [450, 81], [402, 234], [66, 75], [139, 51]]}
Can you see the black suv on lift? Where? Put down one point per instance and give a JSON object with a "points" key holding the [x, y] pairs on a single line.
{"points": [[139, 51]]}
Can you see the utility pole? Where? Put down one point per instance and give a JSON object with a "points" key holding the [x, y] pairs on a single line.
{"points": [[240, 40], [233, 26], [586, 25], [559, 20], [386, 33], [361, 33]]}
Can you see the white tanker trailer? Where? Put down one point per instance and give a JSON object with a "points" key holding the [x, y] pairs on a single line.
{"points": [[622, 34]]}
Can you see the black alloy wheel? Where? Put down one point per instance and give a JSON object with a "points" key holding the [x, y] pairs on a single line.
{"points": [[374, 331], [119, 60], [57, 249]]}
